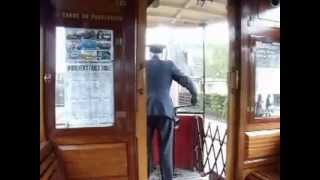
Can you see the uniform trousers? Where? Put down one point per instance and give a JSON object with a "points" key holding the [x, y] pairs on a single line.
{"points": [[165, 127]]}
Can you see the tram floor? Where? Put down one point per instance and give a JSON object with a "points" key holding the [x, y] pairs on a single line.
{"points": [[180, 174]]}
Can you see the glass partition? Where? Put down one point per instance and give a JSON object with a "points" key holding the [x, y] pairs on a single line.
{"points": [[267, 80]]}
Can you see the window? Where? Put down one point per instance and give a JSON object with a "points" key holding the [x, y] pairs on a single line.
{"points": [[267, 80]]}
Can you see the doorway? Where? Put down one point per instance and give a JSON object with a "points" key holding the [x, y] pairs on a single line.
{"points": [[196, 37]]}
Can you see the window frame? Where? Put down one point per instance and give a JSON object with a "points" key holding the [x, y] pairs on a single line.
{"points": [[258, 123]]}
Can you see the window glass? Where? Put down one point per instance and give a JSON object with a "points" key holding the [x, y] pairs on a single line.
{"points": [[267, 80]]}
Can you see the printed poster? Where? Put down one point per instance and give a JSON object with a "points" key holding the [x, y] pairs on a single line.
{"points": [[89, 86]]}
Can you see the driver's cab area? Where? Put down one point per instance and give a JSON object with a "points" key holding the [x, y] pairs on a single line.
{"points": [[196, 39], [234, 129]]}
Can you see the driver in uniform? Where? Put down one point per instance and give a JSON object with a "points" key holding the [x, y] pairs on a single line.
{"points": [[160, 110]]}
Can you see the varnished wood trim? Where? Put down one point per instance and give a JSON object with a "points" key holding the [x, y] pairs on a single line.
{"points": [[91, 147], [262, 126], [261, 144], [233, 10], [122, 124], [46, 163], [42, 130], [261, 162], [45, 149], [90, 138], [141, 125], [49, 172], [255, 123]]}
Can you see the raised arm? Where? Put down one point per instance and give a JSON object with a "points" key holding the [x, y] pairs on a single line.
{"points": [[184, 81]]}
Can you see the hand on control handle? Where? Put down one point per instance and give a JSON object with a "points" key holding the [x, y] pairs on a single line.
{"points": [[194, 100]]}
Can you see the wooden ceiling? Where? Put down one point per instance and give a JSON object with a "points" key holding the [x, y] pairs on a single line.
{"points": [[185, 12]]}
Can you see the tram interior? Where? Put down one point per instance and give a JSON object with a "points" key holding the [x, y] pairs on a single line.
{"points": [[233, 132]]}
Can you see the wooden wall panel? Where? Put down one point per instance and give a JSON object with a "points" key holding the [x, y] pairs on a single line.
{"points": [[46, 163], [97, 6], [262, 144], [50, 167], [111, 152], [264, 175], [100, 161], [49, 173], [249, 146]]}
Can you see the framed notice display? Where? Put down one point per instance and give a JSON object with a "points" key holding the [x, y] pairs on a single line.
{"points": [[266, 87], [84, 78]]}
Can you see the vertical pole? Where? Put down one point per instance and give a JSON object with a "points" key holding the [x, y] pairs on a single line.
{"points": [[203, 25]]}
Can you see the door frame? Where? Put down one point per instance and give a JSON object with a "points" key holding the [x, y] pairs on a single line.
{"points": [[233, 120]]}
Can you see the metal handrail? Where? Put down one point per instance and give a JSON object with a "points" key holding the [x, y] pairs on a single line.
{"points": [[189, 112], [186, 112], [183, 106]]}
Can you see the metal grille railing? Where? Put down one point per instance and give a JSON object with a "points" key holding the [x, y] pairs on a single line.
{"points": [[210, 150]]}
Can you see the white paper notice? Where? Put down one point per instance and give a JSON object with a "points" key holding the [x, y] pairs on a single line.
{"points": [[88, 78]]}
